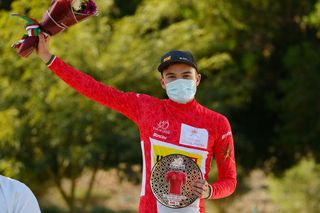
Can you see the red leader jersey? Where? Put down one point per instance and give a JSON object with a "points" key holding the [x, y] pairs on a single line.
{"points": [[166, 127], [176, 180]]}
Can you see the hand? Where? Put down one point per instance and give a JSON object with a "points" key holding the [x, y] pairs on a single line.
{"points": [[201, 188], [42, 50]]}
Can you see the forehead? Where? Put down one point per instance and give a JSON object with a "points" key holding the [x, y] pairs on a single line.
{"points": [[179, 68]]}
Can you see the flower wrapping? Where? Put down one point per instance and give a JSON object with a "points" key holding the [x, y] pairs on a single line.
{"points": [[61, 15]]}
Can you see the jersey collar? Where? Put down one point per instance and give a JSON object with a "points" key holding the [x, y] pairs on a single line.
{"points": [[180, 106]]}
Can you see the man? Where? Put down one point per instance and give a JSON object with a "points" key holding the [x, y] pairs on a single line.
{"points": [[176, 125], [16, 197]]}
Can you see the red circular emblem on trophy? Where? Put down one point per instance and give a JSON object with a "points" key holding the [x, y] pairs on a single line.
{"points": [[171, 180]]}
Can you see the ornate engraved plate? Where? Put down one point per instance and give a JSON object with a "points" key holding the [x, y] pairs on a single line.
{"points": [[171, 180]]}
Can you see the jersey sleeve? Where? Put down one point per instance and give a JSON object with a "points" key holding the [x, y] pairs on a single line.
{"points": [[225, 160], [126, 103]]}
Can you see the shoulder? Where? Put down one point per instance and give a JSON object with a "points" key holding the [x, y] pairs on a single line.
{"points": [[218, 121], [11, 185], [18, 194], [147, 97], [148, 100], [217, 116]]}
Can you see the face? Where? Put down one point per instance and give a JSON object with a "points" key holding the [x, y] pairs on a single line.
{"points": [[179, 71]]}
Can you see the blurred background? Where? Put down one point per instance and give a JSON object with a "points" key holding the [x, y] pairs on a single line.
{"points": [[260, 65]]}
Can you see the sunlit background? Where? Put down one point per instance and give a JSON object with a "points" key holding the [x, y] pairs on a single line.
{"points": [[260, 66]]}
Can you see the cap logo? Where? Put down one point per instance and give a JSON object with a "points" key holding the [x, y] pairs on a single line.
{"points": [[183, 58], [167, 59]]}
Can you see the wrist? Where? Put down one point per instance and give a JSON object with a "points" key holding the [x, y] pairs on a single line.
{"points": [[45, 57], [52, 57], [210, 192]]}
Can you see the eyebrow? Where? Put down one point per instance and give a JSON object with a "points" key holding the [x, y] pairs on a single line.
{"points": [[187, 72], [183, 73]]}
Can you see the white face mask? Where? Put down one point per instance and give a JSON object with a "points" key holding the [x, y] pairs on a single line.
{"points": [[181, 90]]}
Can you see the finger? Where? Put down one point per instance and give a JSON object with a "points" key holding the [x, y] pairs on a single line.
{"points": [[198, 188], [47, 38], [199, 184], [197, 191], [43, 38], [206, 190], [201, 188], [197, 194], [200, 181], [40, 42]]}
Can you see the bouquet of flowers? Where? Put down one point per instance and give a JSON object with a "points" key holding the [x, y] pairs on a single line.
{"points": [[60, 15]]}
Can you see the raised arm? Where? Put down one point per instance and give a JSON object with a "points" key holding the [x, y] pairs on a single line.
{"points": [[125, 103]]}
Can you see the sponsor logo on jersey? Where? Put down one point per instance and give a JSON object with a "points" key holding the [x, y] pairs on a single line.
{"points": [[162, 126], [226, 135], [159, 136]]}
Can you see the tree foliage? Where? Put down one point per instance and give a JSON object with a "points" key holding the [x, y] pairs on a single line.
{"points": [[303, 197], [259, 62]]}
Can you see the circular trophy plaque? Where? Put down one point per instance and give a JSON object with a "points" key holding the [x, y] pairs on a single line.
{"points": [[171, 180]]}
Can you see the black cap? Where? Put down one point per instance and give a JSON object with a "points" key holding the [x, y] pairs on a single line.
{"points": [[176, 56]]}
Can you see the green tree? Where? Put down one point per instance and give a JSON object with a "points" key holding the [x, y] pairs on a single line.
{"points": [[258, 59], [303, 196], [50, 131], [5, 4], [274, 32]]}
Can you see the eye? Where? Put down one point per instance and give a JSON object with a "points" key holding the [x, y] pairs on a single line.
{"points": [[171, 77]]}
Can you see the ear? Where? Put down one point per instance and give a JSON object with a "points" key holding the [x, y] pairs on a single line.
{"points": [[163, 85], [198, 79]]}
